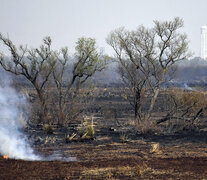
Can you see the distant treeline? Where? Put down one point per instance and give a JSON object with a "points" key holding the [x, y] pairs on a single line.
{"points": [[192, 71]]}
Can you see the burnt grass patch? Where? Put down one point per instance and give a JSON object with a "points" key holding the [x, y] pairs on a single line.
{"points": [[117, 150], [180, 156]]}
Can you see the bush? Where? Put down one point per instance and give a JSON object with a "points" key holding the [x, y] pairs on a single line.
{"points": [[124, 138], [81, 132], [148, 127], [90, 131], [190, 99], [86, 131], [48, 128]]}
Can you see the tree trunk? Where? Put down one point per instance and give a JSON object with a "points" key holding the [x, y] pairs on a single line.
{"points": [[44, 111], [43, 116], [137, 107], [152, 104], [156, 93]]}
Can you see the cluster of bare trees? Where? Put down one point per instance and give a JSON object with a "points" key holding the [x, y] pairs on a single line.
{"points": [[45, 69], [145, 57]]}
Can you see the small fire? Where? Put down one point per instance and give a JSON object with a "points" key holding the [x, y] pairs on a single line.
{"points": [[5, 156]]}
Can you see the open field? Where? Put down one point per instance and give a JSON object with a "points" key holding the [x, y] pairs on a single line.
{"points": [[177, 157], [118, 150], [103, 90]]}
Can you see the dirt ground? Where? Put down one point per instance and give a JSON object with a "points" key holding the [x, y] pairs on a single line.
{"points": [[106, 157]]}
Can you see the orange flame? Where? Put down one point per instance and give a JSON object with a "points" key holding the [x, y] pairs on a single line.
{"points": [[5, 156]]}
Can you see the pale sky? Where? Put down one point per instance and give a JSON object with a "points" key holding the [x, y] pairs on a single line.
{"points": [[29, 21]]}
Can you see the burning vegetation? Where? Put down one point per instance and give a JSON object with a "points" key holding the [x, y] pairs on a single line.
{"points": [[5, 156], [128, 127]]}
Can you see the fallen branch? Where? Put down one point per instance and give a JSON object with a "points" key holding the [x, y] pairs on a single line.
{"points": [[192, 119], [172, 117]]}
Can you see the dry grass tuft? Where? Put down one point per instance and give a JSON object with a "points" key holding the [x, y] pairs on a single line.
{"points": [[155, 148], [86, 131], [124, 138], [148, 127]]}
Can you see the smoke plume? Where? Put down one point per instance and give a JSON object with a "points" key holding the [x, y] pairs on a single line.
{"points": [[12, 141]]}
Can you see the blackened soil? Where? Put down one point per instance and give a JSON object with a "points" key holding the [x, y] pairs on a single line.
{"points": [[107, 157]]}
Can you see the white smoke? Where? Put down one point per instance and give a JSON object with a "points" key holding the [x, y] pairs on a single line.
{"points": [[12, 141], [187, 87]]}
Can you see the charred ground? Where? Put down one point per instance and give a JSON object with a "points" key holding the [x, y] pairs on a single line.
{"points": [[117, 151]]}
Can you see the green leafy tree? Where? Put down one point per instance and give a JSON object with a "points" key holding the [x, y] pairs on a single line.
{"points": [[87, 61]]}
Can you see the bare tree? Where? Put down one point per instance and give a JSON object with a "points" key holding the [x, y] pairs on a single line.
{"points": [[36, 65], [42, 65], [87, 62], [144, 57]]}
